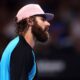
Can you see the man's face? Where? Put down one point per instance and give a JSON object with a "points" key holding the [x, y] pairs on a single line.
{"points": [[40, 28]]}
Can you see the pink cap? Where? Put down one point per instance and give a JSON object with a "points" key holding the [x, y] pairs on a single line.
{"points": [[31, 10]]}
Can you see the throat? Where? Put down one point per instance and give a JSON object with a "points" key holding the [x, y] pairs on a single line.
{"points": [[29, 37], [30, 41]]}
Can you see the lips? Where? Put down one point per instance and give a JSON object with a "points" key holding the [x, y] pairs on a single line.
{"points": [[46, 29]]}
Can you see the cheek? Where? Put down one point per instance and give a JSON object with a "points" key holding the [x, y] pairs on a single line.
{"points": [[41, 25]]}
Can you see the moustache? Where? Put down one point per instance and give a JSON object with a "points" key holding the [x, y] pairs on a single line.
{"points": [[46, 29]]}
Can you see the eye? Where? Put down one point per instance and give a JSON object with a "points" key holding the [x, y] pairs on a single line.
{"points": [[43, 19]]}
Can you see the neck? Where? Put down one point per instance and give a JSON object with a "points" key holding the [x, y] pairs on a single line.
{"points": [[29, 37]]}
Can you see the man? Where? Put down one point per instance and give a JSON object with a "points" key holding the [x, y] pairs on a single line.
{"points": [[18, 59]]}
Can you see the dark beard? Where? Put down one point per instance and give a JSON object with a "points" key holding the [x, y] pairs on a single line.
{"points": [[41, 35]]}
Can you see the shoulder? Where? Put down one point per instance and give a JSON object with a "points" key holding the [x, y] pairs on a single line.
{"points": [[22, 53], [22, 48]]}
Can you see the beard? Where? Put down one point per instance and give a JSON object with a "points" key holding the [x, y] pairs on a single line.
{"points": [[40, 34]]}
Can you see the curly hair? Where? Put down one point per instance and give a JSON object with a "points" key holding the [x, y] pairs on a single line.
{"points": [[21, 25]]}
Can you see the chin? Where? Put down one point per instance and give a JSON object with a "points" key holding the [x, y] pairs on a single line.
{"points": [[44, 38]]}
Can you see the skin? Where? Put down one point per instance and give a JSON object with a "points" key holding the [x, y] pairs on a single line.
{"points": [[29, 34]]}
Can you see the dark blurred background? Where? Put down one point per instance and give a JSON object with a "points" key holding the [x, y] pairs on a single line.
{"points": [[59, 58]]}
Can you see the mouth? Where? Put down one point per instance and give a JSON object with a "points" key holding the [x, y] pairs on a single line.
{"points": [[46, 29]]}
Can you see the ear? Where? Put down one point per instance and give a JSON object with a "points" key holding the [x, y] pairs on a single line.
{"points": [[30, 21]]}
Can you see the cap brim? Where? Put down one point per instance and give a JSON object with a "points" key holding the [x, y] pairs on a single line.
{"points": [[49, 16]]}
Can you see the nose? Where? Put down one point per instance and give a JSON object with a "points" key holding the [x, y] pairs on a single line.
{"points": [[47, 23]]}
